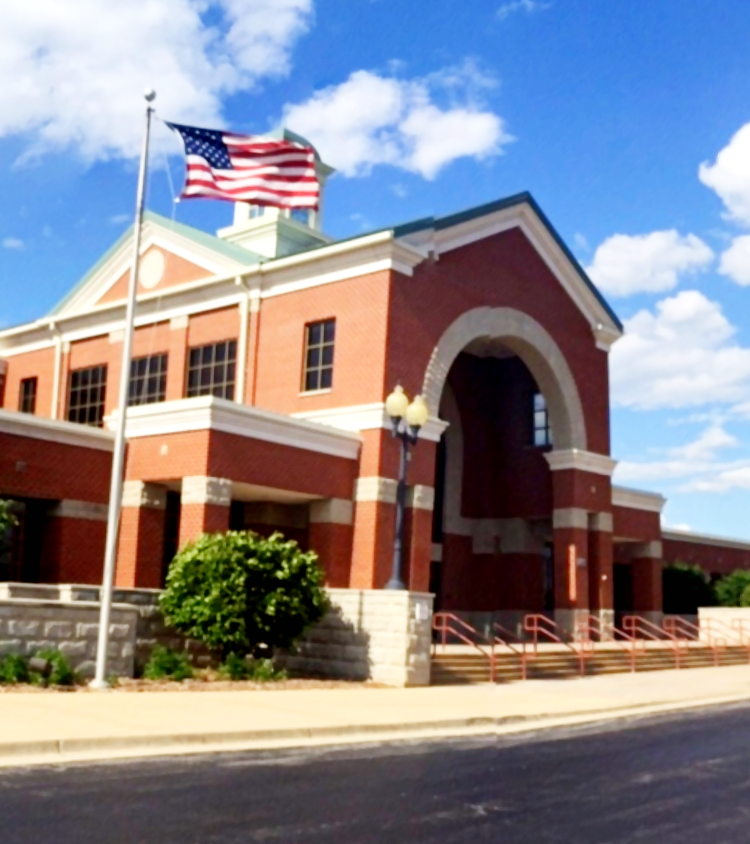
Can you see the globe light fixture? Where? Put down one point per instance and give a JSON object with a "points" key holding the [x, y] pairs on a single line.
{"points": [[407, 418]]}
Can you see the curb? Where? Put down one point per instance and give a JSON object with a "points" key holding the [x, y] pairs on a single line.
{"points": [[80, 749]]}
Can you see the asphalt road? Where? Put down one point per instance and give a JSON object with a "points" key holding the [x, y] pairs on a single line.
{"points": [[679, 780]]}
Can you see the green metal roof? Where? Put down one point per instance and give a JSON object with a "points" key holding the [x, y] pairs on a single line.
{"points": [[248, 258], [228, 250]]}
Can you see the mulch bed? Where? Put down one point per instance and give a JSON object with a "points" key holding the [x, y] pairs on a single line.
{"points": [[205, 680]]}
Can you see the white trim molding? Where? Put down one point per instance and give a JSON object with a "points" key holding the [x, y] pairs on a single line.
{"points": [[142, 494], [211, 413], [570, 517], [522, 216], [525, 337], [333, 511], [601, 522], [675, 535], [199, 489], [647, 551], [636, 499], [367, 417], [420, 497], [583, 461], [375, 488], [71, 509], [66, 433]]}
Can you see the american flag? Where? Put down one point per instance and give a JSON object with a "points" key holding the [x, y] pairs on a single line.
{"points": [[248, 168]]}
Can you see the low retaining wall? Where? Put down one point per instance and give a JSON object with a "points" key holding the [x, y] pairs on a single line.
{"points": [[71, 627], [726, 622], [368, 634]]}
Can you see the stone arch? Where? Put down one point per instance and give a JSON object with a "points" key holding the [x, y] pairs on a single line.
{"points": [[524, 336]]}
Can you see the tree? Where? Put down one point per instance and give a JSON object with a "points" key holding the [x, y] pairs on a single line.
{"points": [[7, 519], [730, 588], [240, 593], [686, 588]]}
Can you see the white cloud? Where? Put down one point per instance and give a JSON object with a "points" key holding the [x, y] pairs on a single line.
{"points": [[729, 175], [735, 261], [13, 243], [78, 69], [529, 6], [680, 355], [647, 263], [371, 119], [695, 465]]}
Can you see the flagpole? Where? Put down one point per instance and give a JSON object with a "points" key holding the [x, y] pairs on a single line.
{"points": [[118, 457]]}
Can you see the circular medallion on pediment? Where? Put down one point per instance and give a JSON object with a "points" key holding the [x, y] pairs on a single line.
{"points": [[152, 267]]}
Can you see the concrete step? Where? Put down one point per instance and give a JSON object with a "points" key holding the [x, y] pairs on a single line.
{"points": [[455, 669]]}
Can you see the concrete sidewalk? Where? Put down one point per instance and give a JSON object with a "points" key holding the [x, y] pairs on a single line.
{"points": [[46, 728]]}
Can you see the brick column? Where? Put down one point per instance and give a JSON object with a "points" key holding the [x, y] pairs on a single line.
{"points": [[374, 525], [647, 587], [330, 535], [176, 367], [571, 537], [601, 576], [420, 502], [204, 506], [140, 549]]}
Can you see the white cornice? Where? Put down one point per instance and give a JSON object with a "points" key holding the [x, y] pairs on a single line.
{"points": [[583, 461], [367, 417], [636, 499], [67, 433], [210, 413], [675, 535], [523, 216], [328, 264]]}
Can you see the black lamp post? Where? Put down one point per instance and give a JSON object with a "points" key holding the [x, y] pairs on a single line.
{"points": [[406, 418]]}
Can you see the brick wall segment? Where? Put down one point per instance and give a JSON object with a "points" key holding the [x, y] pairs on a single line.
{"points": [[359, 306], [39, 364]]}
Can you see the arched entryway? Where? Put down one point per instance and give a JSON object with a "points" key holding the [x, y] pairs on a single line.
{"points": [[509, 397]]}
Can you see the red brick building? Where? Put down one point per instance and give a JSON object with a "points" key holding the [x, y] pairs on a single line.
{"points": [[262, 359]]}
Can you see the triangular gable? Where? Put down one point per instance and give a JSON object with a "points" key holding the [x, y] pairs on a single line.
{"points": [[441, 235], [172, 255]]}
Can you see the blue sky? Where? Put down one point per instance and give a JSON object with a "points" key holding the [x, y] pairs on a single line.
{"points": [[605, 111]]}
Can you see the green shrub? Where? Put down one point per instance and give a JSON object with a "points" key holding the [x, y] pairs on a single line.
{"points": [[7, 519], [730, 588], [686, 588], [61, 674], [745, 597], [241, 593], [14, 669], [236, 667], [164, 662]]}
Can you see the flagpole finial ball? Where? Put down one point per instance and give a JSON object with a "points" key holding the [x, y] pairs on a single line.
{"points": [[149, 94]]}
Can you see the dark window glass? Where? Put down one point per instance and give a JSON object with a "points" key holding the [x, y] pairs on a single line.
{"points": [[319, 337], [87, 389], [541, 426], [148, 380], [301, 215], [211, 370], [2, 389], [27, 395]]}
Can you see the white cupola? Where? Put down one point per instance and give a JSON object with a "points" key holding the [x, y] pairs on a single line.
{"points": [[276, 232]]}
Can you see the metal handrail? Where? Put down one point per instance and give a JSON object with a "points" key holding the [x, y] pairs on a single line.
{"points": [[588, 624], [676, 625], [535, 624], [640, 627], [445, 628], [521, 654]]}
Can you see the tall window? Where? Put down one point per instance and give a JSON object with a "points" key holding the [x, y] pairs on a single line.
{"points": [[542, 430], [257, 211], [148, 380], [211, 370], [87, 389], [301, 215], [319, 337], [27, 395], [2, 389]]}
